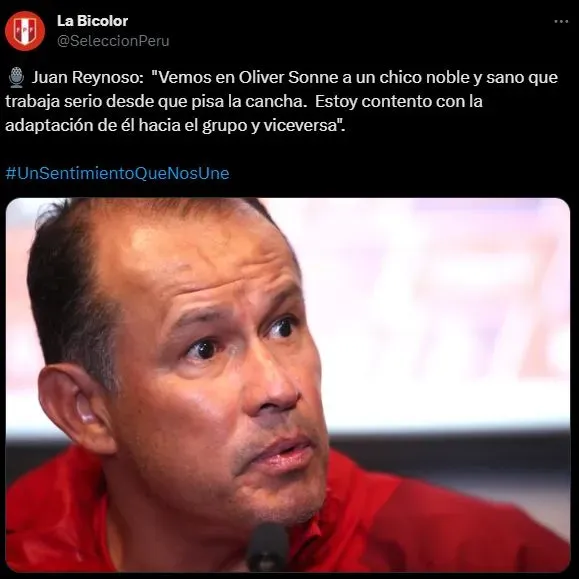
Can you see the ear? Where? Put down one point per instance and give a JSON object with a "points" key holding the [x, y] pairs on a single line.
{"points": [[77, 404]]}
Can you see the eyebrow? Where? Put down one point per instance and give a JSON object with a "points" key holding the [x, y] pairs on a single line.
{"points": [[205, 315]]}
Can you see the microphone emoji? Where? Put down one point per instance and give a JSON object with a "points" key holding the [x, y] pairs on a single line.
{"points": [[16, 77]]}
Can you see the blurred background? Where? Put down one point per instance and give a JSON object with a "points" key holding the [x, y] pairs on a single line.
{"points": [[444, 331]]}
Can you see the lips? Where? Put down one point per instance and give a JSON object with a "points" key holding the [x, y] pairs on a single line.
{"points": [[282, 446]]}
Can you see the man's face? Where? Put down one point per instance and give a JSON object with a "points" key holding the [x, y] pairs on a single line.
{"points": [[216, 363]]}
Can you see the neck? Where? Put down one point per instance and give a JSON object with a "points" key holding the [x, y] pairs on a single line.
{"points": [[143, 536]]}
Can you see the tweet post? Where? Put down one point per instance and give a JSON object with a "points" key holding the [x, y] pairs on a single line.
{"points": [[287, 300], [116, 98]]}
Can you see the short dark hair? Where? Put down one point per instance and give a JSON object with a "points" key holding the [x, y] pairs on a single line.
{"points": [[75, 322]]}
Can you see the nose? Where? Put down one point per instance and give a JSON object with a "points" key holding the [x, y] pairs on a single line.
{"points": [[268, 389]]}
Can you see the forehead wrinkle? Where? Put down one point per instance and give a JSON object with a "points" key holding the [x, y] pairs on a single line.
{"points": [[244, 298], [246, 289], [243, 272]]}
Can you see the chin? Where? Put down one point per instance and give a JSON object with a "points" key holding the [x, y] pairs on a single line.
{"points": [[292, 509]]}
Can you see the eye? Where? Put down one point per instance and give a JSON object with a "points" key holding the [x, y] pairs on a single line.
{"points": [[203, 349], [285, 327]]}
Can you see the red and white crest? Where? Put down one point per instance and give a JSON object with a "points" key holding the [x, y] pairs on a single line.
{"points": [[25, 30]]}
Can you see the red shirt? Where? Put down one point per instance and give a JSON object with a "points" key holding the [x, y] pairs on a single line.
{"points": [[370, 522]]}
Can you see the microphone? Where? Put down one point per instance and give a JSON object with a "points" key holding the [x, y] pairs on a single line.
{"points": [[268, 548], [16, 77]]}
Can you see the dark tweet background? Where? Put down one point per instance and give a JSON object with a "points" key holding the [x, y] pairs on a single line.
{"points": [[518, 144], [515, 144]]}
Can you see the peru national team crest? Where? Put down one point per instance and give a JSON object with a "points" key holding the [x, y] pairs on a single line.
{"points": [[24, 30]]}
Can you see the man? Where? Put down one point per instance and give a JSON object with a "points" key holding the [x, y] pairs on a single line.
{"points": [[180, 364]]}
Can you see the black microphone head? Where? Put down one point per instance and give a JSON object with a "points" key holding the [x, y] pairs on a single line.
{"points": [[268, 548]]}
